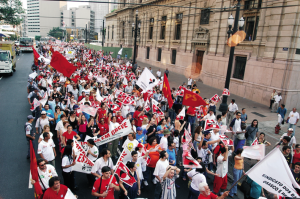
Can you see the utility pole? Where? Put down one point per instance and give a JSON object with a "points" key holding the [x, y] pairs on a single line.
{"points": [[85, 33], [103, 33], [135, 36]]}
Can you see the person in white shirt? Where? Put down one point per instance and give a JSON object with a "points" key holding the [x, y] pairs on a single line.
{"points": [[293, 119], [85, 99], [45, 171], [46, 129], [105, 160], [93, 151], [158, 73], [277, 99], [131, 143], [113, 145], [42, 121], [138, 162], [46, 149], [129, 88], [125, 110], [220, 182], [159, 172], [236, 124], [43, 83], [190, 80], [232, 109], [196, 177], [209, 116], [292, 142], [164, 140], [59, 124], [67, 163], [215, 136]]}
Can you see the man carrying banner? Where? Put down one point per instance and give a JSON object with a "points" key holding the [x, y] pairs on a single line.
{"points": [[104, 161], [100, 186]]}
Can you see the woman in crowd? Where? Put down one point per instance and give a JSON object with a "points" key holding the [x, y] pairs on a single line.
{"points": [[134, 190], [73, 121], [57, 114], [131, 143], [68, 161], [69, 135], [197, 136], [238, 170], [296, 155], [82, 123], [251, 132]]}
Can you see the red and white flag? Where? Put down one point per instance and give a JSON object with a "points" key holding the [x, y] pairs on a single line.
{"points": [[156, 109], [210, 124], [186, 137], [35, 104], [226, 92], [255, 142], [256, 152], [215, 98], [124, 174], [188, 160], [181, 115], [147, 106], [45, 99], [88, 109], [226, 140]]}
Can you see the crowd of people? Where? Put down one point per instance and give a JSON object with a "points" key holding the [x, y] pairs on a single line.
{"points": [[59, 121]]}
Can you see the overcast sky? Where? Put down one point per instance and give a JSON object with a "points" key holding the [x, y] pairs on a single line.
{"points": [[70, 4]]}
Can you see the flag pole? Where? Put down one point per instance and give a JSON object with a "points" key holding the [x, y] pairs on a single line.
{"points": [[237, 181]]}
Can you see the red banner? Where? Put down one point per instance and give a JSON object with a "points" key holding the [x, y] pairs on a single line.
{"points": [[167, 91], [124, 174], [192, 99], [34, 173], [35, 57], [61, 64]]}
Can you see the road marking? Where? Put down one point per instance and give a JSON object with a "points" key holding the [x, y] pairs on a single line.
{"points": [[18, 59], [1, 77]]}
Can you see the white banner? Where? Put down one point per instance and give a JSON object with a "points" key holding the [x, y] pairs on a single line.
{"points": [[122, 130], [88, 110], [256, 152], [83, 163], [33, 75], [274, 174], [147, 80]]}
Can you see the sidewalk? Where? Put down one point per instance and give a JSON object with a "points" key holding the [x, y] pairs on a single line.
{"points": [[266, 119]]}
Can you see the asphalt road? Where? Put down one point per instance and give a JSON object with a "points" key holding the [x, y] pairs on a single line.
{"points": [[14, 170]]}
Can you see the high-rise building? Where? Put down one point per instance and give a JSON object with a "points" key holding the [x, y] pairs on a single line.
{"points": [[100, 9], [42, 16]]}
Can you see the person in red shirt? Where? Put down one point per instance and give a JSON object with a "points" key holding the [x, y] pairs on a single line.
{"points": [[55, 190], [141, 118], [205, 192], [119, 117], [136, 114], [102, 112], [82, 96], [103, 127], [69, 135], [101, 184], [217, 151], [191, 112]]}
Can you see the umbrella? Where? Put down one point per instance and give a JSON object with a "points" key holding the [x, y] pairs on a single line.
{"points": [[2, 34]]}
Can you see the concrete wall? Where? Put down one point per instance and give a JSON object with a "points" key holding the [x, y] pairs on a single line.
{"points": [[115, 50]]}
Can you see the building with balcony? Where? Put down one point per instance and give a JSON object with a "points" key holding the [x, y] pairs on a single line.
{"points": [[191, 38]]}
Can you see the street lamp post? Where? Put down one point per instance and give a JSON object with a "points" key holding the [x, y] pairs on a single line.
{"points": [[103, 33], [223, 106], [135, 34]]}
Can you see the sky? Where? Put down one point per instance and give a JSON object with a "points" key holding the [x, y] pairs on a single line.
{"points": [[70, 4]]}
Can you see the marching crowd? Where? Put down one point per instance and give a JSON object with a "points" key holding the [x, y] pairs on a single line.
{"points": [[109, 87]]}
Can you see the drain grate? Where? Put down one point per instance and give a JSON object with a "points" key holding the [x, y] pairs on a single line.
{"points": [[258, 114]]}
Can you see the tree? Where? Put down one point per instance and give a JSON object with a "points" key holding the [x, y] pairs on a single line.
{"points": [[37, 38], [10, 11], [56, 32]]}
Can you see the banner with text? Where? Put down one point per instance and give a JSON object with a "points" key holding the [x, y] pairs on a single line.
{"points": [[83, 163]]}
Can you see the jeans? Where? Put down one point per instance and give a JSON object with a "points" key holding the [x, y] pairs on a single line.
{"points": [[194, 193], [172, 115], [238, 144], [237, 174], [33, 144], [157, 191], [192, 120], [149, 173], [292, 126]]}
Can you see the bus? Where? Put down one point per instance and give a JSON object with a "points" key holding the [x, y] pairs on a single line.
{"points": [[26, 43]]}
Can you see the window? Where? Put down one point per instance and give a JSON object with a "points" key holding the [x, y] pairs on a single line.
{"points": [[151, 28], [163, 27], [159, 54], [148, 53], [123, 30], [179, 16], [240, 65], [252, 4], [173, 60], [251, 28], [108, 32], [178, 26], [112, 32], [205, 16]]}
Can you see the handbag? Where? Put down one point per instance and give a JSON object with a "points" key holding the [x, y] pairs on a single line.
{"points": [[245, 187]]}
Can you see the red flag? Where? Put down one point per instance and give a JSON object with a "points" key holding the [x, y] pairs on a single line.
{"points": [[188, 160], [226, 140], [34, 173], [186, 137], [210, 124], [226, 92], [156, 109], [35, 57], [215, 98], [61, 64], [167, 91], [192, 99], [124, 174]]}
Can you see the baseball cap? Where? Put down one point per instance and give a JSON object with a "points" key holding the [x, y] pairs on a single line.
{"points": [[29, 117], [206, 132], [75, 106], [290, 129], [139, 128], [43, 113]]}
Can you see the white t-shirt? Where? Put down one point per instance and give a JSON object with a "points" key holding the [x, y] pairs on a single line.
{"points": [[164, 143], [277, 98], [95, 151], [42, 122], [45, 176], [66, 161], [86, 91], [190, 81], [293, 117], [101, 163], [51, 135], [160, 168], [213, 138], [222, 168], [138, 164], [210, 117], [46, 148], [59, 125], [233, 107], [293, 139], [176, 141], [131, 145], [203, 153], [237, 126], [158, 73], [197, 178], [125, 110]]}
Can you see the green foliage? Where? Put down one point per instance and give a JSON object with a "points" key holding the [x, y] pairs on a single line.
{"points": [[56, 32], [113, 10], [37, 38], [10, 11]]}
